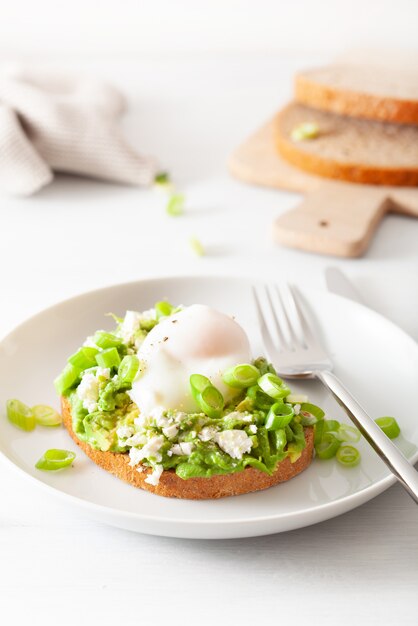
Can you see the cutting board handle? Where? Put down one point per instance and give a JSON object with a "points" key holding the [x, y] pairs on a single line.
{"points": [[336, 219]]}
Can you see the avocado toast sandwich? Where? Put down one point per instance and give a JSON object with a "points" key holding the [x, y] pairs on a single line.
{"points": [[172, 402]]}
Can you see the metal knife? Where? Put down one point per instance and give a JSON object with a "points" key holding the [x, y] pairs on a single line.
{"points": [[337, 282]]}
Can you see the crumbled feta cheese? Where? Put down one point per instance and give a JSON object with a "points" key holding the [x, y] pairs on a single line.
{"points": [[207, 433], [149, 450], [171, 431], [180, 417], [149, 314], [252, 428], [143, 421], [245, 417], [89, 343], [88, 391], [103, 372], [234, 442], [193, 433], [129, 326], [138, 439], [185, 447], [123, 432], [154, 477], [296, 409], [169, 453]]}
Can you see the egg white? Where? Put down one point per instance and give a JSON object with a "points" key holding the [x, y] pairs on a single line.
{"points": [[196, 340]]}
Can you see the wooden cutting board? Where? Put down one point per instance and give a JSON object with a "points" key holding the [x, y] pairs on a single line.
{"points": [[334, 217]]}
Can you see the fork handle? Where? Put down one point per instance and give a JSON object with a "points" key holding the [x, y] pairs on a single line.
{"points": [[388, 452]]}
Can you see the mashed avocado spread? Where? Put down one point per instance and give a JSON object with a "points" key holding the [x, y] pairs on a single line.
{"points": [[262, 426]]}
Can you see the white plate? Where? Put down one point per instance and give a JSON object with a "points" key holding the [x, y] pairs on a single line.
{"points": [[377, 360]]}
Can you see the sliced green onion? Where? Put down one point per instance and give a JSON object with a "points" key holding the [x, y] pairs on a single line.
{"points": [[175, 204], [128, 368], [348, 456], [310, 414], [319, 431], [389, 426], [279, 416], [163, 309], [196, 246], [84, 358], [211, 401], [198, 383], [260, 399], [106, 340], [46, 416], [280, 439], [108, 358], [273, 386], [328, 446], [66, 379], [331, 426], [348, 433], [306, 130], [55, 460], [20, 415], [162, 178], [241, 376], [297, 398]]}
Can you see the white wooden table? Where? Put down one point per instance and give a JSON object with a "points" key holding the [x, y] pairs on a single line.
{"points": [[56, 566]]}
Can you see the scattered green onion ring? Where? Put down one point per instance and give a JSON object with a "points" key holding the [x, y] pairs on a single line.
{"points": [[198, 383], [108, 358], [211, 401], [106, 340], [20, 415], [348, 433], [331, 426], [319, 432], [84, 358], [328, 446], [128, 368], [163, 309], [310, 414], [66, 379], [46, 416], [260, 399], [241, 376], [54, 459], [279, 416], [197, 246], [389, 426], [273, 386], [348, 456], [175, 204]]}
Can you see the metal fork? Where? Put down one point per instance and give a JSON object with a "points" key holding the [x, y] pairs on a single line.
{"points": [[300, 355]]}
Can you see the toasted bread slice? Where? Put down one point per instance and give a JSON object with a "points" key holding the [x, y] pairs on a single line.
{"points": [[376, 93], [172, 486], [354, 150]]}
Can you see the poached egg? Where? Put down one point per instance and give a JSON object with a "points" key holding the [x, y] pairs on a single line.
{"points": [[196, 340]]}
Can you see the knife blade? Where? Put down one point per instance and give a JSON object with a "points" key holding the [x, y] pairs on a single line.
{"points": [[337, 282]]}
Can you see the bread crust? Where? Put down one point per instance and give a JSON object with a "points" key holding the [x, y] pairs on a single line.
{"points": [[352, 172], [172, 486], [354, 104]]}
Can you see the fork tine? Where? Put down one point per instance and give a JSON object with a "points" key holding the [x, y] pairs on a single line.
{"points": [[284, 343], [265, 333], [293, 334], [309, 336]]}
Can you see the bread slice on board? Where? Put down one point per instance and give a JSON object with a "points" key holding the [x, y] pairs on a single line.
{"points": [[354, 150], [172, 486], [377, 93]]}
